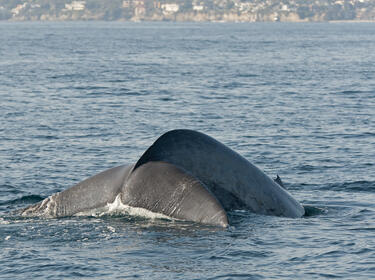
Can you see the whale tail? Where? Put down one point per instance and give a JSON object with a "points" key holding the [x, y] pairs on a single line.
{"points": [[164, 188]]}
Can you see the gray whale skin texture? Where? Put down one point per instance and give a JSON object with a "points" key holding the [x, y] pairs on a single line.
{"points": [[185, 175]]}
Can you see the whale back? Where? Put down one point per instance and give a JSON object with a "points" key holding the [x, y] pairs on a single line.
{"points": [[234, 181]]}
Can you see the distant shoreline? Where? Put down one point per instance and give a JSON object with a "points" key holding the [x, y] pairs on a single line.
{"points": [[190, 10], [187, 21]]}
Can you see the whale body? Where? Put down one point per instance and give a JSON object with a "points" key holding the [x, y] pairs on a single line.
{"points": [[184, 175]]}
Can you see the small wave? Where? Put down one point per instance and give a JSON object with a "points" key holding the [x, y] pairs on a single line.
{"points": [[313, 211], [167, 99], [91, 88], [354, 91], [46, 137], [27, 199], [233, 85], [362, 134], [357, 186], [3, 222], [247, 75], [120, 92], [237, 276], [307, 167]]}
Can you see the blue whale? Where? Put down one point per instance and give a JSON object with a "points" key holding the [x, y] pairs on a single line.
{"points": [[185, 175]]}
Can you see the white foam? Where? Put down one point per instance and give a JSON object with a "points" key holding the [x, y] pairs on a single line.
{"points": [[112, 229], [117, 207], [3, 222], [47, 208]]}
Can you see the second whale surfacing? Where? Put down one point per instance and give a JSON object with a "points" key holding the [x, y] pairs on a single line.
{"points": [[185, 175]]}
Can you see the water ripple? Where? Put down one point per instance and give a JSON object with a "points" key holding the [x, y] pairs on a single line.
{"points": [[295, 99]]}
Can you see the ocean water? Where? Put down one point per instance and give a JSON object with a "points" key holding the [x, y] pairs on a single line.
{"points": [[297, 100]]}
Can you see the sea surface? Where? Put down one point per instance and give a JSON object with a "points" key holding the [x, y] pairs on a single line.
{"points": [[296, 100]]}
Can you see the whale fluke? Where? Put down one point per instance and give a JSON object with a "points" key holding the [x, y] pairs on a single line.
{"points": [[185, 175], [94, 192], [166, 189]]}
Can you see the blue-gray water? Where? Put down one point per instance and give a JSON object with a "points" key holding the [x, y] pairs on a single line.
{"points": [[297, 100]]}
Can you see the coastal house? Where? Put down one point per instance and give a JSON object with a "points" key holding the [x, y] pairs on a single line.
{"points": [[139, 11], [15, 11], [139, 3], [198, 8], [139, 8], [126, 3], [170, 8], [244, 7], [157, 5], [284, 8], [75, 6]]}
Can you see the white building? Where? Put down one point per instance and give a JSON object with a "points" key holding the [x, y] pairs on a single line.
{"points": [[170, 8], [76, 6], [198, 8], [126, 3], [15, 11], [284, 8]]}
